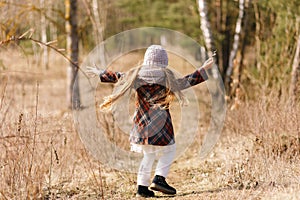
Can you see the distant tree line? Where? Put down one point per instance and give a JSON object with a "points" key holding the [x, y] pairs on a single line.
{"points": [[257, 41]]}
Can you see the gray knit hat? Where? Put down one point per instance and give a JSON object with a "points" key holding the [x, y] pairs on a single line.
{"points": [[155, 61], [156, 55]]}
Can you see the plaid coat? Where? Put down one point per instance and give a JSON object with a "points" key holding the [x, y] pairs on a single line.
{"points": [[153, 125]]}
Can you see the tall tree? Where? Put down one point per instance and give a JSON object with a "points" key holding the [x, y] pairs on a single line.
{"points": [[44, 34], [99, 28], [205, 26], [73, 96], [214, 85], [98, 20], [295, 72], [236, 42]]}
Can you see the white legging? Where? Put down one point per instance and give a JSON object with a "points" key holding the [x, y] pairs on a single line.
{"points": [[165, 155]]}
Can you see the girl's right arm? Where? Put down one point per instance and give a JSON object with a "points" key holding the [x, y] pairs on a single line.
{"points": [[110, 76], [104, 75]]}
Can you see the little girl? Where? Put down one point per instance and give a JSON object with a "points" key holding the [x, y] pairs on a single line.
{"points": [[152, 132]]}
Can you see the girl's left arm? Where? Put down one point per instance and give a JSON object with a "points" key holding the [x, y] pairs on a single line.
{"points": [[192, 79], [197, 77]]}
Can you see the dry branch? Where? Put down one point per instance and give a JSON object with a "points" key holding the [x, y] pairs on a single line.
{"points": [[27, 37]]}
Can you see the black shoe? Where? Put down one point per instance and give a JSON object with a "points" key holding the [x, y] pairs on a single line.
{"points": [[143, 191], [159, 184]]}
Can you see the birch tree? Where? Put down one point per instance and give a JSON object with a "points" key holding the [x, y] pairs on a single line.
{"points": [[207, 34], [205, 27], [236, 42], [215, 85], [73, 96]]}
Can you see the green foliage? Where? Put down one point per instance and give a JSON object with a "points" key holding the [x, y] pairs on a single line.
{"points": [[173, 14]]}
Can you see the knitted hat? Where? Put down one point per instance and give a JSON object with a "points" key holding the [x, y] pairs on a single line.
{"points": [[155, 61], [156, 55]]}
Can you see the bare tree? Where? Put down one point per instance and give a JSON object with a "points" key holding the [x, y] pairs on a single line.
{"points": [[214, 85], [98, 21], [205, 26], [295, 72], [257, 32], [99, 27], [236, 42], [44, 35], [207, 34], [73, 95], [92, 9]]}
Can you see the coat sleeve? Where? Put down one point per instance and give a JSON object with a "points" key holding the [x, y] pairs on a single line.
{"points": [[108, 76], [192, 79]]}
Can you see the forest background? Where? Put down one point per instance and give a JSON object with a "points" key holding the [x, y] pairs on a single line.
{"points": [[258, 53]]}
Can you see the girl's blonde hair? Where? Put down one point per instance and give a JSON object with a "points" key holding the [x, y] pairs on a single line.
{"points": [[126, 83]]}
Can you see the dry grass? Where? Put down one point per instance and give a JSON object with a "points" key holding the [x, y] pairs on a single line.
{"points": [[42, 157]]}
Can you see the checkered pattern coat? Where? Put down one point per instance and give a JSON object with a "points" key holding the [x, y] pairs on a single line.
{"points": [[153, 125]]}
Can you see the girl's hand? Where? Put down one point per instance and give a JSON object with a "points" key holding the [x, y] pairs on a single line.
{"points": [[93, 71], [208, 64]]}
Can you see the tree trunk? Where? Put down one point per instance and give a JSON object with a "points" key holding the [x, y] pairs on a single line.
{"points": [[221, 28], [233, 53], [98, 27], [98, 22], [73, 96], [53, 28], [205, 27], [215, 86], [44, 35], [207, 34], [295, 73], [257, 33]]}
